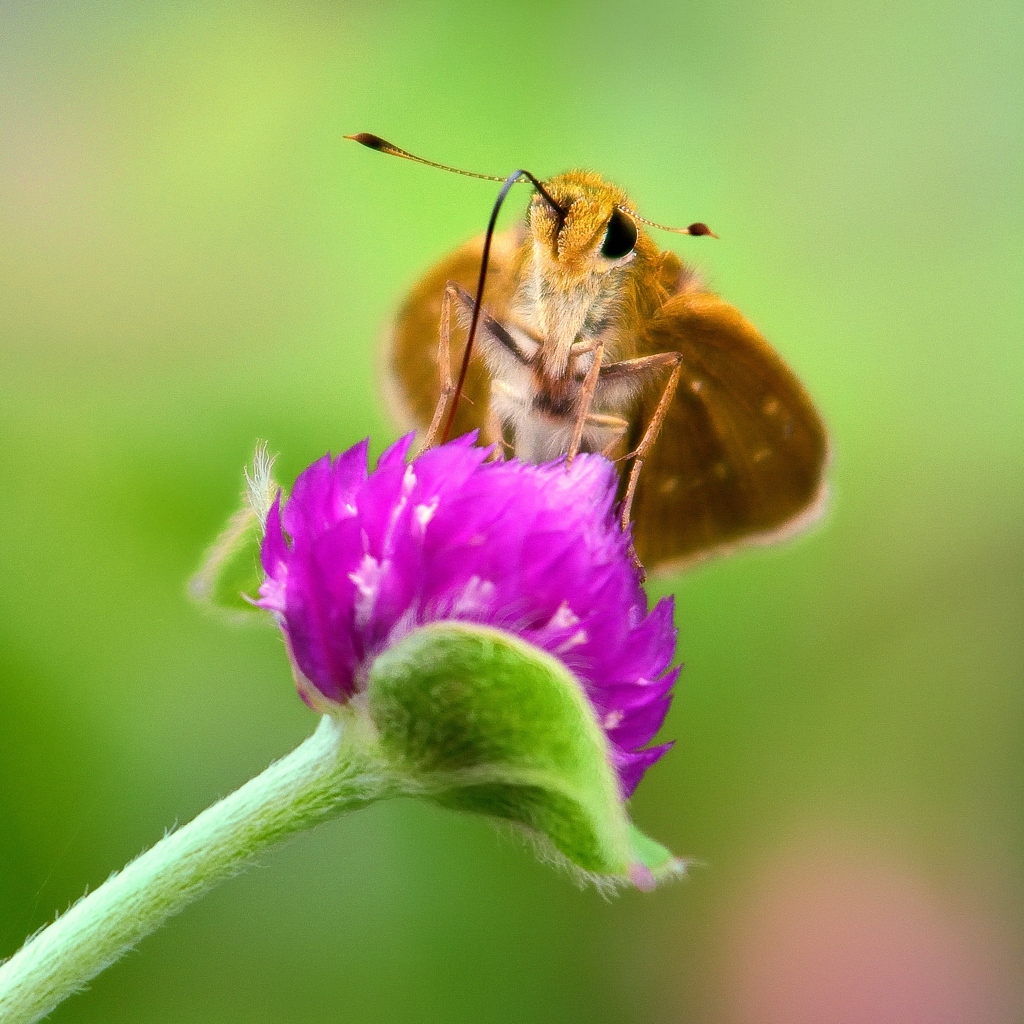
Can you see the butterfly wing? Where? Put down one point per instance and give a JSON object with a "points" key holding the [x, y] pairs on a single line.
{"points": [[412, 375], [741, 455]]}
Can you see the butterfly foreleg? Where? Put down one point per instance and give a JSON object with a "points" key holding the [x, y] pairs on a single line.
{"points": [[585, 401], [638, 370], [494, 430], [444, 364]]}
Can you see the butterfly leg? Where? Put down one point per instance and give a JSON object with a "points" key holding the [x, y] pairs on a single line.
{"points": [[662, 360], [444, 364], [492, 336], [494, 432], [619, 382], [586, 398]]}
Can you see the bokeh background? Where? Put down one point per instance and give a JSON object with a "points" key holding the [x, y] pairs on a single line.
{"points": [[191, 258]]}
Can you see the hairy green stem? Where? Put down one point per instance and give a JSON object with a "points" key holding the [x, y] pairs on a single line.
{"points": [[328, 773]]}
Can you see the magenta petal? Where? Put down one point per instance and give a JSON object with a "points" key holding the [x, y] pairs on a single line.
{"points": [[320, 608], [629, 697], [274, 552], [395, 454], [639, 725], [631, 767], [324, 492]]}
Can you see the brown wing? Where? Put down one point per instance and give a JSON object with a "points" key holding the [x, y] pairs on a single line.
{"points": [[412, 376], [741, 456]]}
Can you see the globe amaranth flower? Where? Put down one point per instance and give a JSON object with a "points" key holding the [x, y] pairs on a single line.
{"points": [[356, 561]]}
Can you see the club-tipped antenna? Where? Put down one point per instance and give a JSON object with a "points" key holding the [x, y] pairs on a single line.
{"points": [[372, 141], [698, 228], [383, 146]]}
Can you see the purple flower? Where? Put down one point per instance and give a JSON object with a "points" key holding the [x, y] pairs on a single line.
{"points": [[534, 550]]}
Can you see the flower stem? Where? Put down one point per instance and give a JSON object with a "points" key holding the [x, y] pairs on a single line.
{"points": [[328, 773]]}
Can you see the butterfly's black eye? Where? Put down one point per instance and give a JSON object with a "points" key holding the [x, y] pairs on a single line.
{"points": [[620, 238]]}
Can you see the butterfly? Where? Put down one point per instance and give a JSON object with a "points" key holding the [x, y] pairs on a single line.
{"points": [[589, 337]]}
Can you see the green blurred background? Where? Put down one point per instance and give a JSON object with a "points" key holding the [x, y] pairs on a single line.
{"points": [[191, 258]]}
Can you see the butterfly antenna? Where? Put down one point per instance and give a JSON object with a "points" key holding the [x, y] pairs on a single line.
{"points": [[372, 141], [383, 146], [693, 229]]}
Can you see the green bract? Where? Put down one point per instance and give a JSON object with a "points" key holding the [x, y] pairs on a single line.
{"points": [[475, 719], [231, 571]]}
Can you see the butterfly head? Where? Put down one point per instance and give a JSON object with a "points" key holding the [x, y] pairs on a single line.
{"points": [[591, 235], [581, 259]]}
